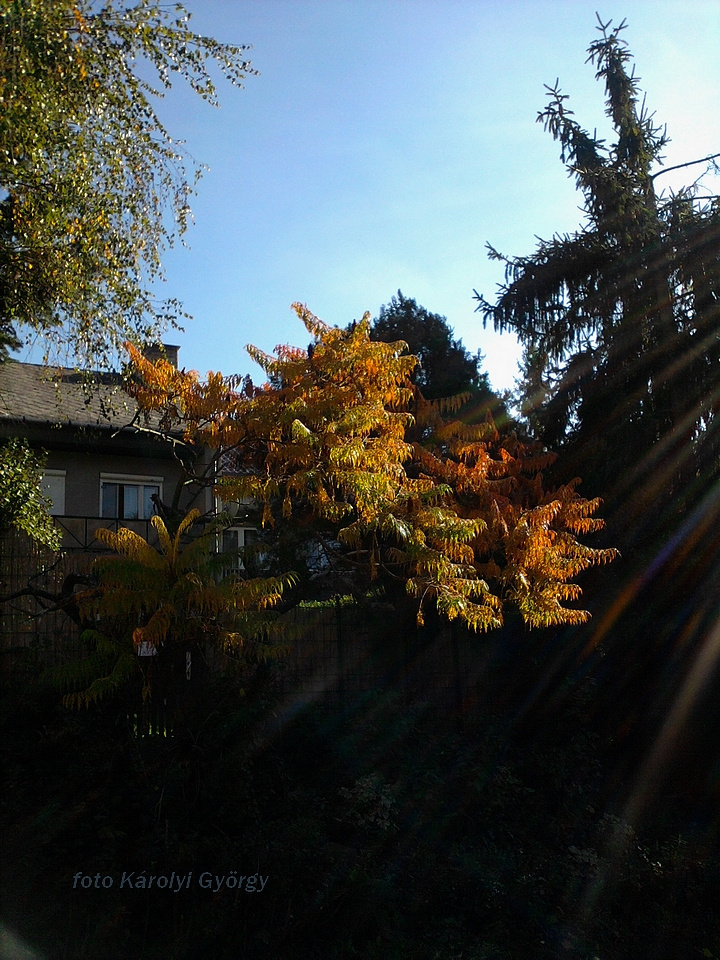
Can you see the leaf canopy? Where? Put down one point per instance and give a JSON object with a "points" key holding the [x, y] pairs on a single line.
{"points": [[460, 517], [92, 186]]}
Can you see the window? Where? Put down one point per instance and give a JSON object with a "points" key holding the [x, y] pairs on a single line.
{"points": [[129, 498], [53, 491], [234, 540]]}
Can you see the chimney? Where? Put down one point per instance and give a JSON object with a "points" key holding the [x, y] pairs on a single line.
{"points": [[162, 351]]}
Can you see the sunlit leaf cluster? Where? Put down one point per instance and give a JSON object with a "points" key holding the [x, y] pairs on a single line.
{"points": [[527, 545], [173, 588], [22, 504]]}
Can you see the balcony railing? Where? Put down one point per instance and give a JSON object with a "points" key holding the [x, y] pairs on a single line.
{"points": [[79, 533]]}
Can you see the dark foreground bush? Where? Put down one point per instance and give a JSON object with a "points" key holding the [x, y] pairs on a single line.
{"points": [[279, 830]]}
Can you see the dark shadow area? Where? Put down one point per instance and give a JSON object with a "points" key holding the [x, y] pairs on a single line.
{"points": [[378, 824]]}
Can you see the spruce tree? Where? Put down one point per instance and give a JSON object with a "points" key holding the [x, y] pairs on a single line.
{"points": [[620, 321]]}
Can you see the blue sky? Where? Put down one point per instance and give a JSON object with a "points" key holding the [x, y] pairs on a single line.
{"points": [[385, 142]]}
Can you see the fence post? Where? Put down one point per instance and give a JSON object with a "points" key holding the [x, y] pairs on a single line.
{"points": [[459, 712], [340, 650]]}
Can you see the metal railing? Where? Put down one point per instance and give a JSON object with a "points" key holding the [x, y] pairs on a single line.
{"points": [[79, 533]]}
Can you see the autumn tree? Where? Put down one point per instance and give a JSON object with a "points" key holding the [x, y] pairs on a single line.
{"points": [[619, 320], [527, 547], [463, 521], [92, 185]]}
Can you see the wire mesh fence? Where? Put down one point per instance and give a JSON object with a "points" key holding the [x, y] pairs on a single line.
{"points": [[34, 614], [335, 651], [341, 651]]}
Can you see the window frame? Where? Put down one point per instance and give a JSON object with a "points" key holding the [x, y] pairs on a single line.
{"points": [[53, 474], [236, 566], [129, 479]]}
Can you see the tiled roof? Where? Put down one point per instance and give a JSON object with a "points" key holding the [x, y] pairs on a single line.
{"points": [[32, 393]]}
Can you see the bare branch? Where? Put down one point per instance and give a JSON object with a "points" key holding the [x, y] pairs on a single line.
{"points": [[690, 163]]}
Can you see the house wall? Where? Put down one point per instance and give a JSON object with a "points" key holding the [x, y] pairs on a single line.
{"points": [[83, 470]]}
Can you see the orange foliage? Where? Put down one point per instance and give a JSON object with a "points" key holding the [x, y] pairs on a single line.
{"points": [[461, 515]]}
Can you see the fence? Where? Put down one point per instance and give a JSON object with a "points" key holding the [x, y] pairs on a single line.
{"points": [[337, 650], [343, 651], [37, 622]]}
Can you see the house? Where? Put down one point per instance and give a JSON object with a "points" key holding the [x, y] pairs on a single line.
{"points": [[104, 467], [100, 470]]}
